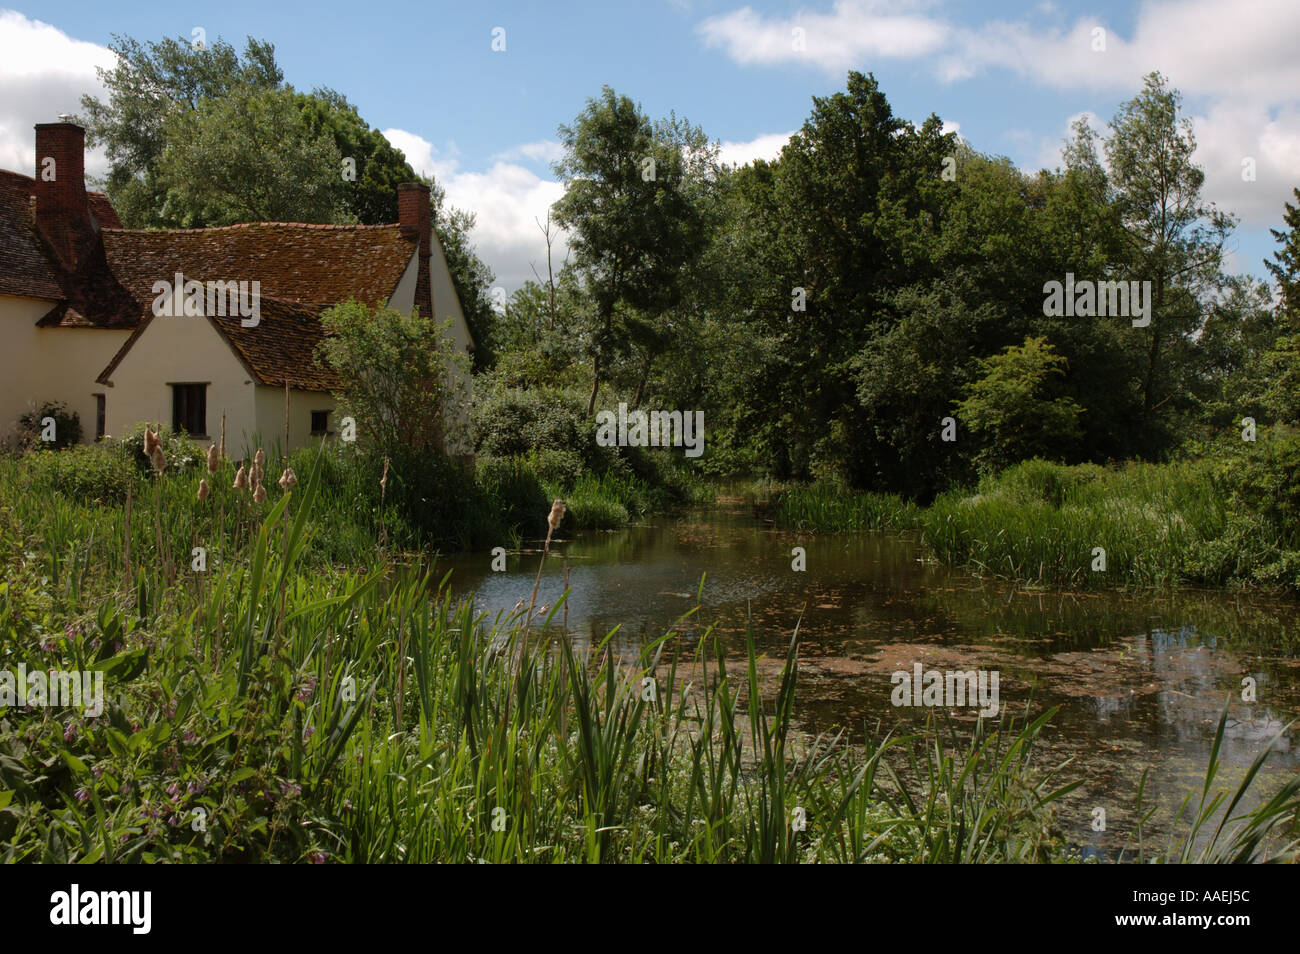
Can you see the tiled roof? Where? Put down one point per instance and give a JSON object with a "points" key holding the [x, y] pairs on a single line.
{"points": [[302, 269], [92, 297], [282, 345], [103, 210], [24, 269], [310, 264]]}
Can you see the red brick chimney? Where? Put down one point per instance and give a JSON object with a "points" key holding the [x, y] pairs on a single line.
{"points": [[62, 210], [413, 214]]}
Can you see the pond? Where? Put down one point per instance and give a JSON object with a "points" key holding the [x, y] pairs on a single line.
{"points": [[1141, 678]]}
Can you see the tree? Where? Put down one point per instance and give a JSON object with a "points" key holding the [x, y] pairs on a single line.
{"points": [[148, 84], [1174, 237], [1285, 266], [843, 220], [1009, 407], [249, 156], [396, 371], [379, 167], [169, 101], [629, 209]]}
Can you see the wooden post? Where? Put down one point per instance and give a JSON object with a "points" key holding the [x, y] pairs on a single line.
{"points": [[286, 420]]}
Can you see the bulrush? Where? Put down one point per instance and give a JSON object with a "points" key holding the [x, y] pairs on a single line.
{"points": [[288, 480], [214, 459], [204, 490], [259, 459], [555, 516], [259, 493], [241, 478], [552, 524]]}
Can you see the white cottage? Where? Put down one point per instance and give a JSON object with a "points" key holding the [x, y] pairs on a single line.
{"points": [[78, 294]]}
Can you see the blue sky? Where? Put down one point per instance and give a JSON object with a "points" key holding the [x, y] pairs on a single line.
{"points": [[1009, 76]]}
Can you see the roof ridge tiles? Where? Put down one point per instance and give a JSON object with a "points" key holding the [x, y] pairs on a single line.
{"points": [[254, 225]]}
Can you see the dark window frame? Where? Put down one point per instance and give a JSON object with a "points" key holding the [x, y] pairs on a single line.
{"points": [[181, 407], [321, 432], [101, 415]]}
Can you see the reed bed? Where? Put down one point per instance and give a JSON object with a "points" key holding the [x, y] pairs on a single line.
{"points": [[284, 707], [1041, 523]]}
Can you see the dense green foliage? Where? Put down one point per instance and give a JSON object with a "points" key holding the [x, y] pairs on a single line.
{"points": [[1231, 517], [881, 275]]}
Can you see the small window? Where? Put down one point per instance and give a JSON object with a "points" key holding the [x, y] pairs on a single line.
{"points": [[99, 416], [320, 423], [190, 409]]}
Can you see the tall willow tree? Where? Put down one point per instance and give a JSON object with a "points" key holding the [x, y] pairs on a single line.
{"points": [[633, 224]]}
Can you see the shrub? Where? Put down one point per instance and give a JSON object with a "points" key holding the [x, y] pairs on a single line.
{"points": [[509, 422], [512, 490], [89, 472], [182, 453], [67, 427]]}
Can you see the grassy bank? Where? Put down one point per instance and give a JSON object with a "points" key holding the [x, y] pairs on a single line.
{"points": [[280, 706], [1217, 520]]}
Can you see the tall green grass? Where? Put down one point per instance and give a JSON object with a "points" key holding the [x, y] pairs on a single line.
{"points": [[1042, 523], [286, 708], [827, 507]]}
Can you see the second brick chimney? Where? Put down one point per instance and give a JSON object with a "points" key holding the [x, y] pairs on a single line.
{"points": [[413, 214], [62, 210]]}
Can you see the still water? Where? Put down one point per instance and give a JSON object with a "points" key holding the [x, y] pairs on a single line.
{"points": [[1141, 679]]}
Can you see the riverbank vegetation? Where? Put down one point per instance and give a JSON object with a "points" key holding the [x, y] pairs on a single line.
{"points": [[1226, 517], [271, 703]]}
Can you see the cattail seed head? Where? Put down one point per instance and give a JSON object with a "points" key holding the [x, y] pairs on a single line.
{"points": [[259, 458], [204, 490], [288, 480], [556, 514], [214, 459], [241, 478], [259, 493]]}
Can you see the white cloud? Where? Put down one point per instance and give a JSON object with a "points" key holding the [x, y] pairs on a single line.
{"points": [[544, 150], [419, 152], [507, 201], [835, 41], [1209, 47], [1238, 59], [1233, 131], [43, 73], [763, 147]]}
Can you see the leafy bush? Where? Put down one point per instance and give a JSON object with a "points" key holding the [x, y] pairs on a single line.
{"points": [[509, 422], [90, 472], [514, 493], [1265, 478], [67, 427], [182, 453], [1038, 480], [432, 495]]}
